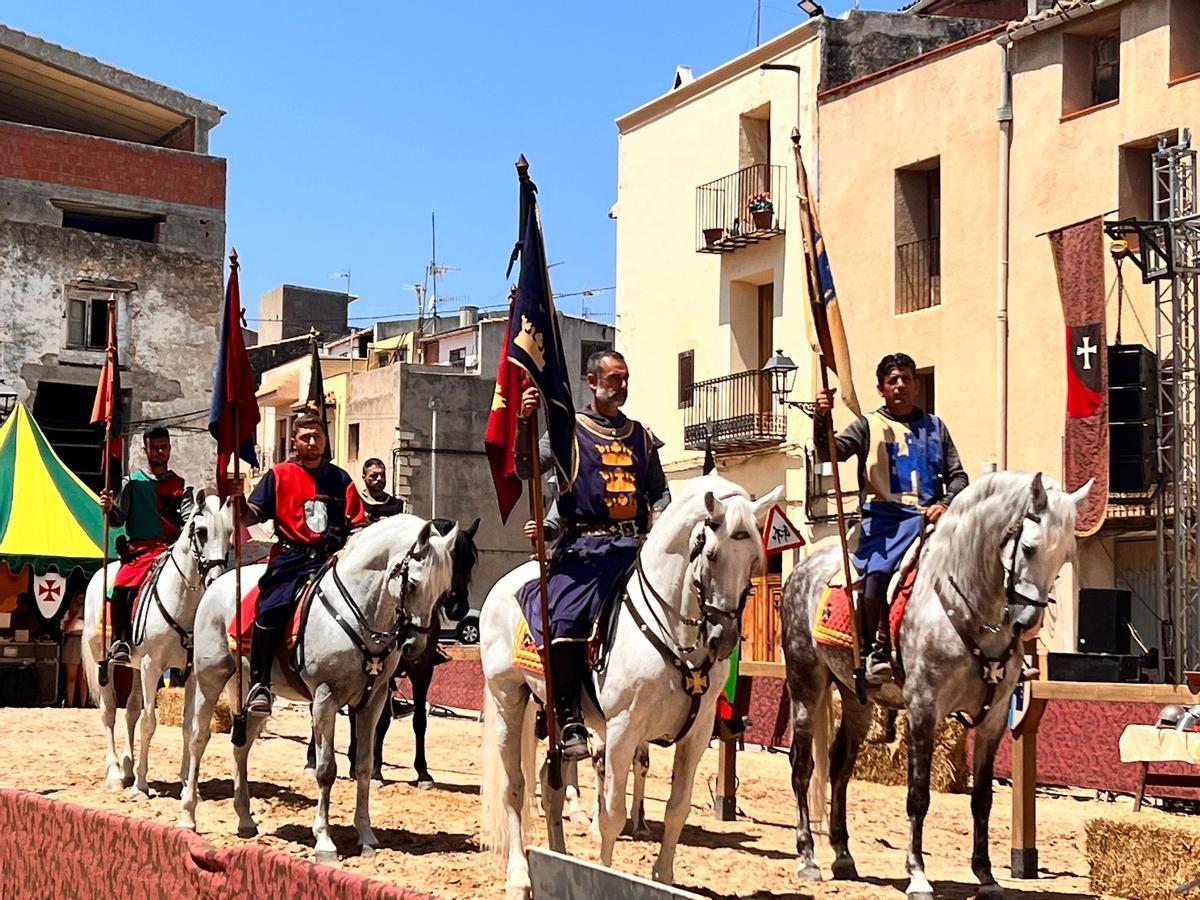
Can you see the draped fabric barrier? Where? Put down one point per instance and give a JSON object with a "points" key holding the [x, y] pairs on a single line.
{"points": [[49, 848]]}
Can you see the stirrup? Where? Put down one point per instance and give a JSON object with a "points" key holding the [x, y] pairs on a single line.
{"points": [[879, 669], [119, 653], [258, 701], [573, 742]]}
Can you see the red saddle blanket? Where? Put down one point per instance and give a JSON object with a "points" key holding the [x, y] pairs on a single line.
{"points": [[146, 576], [249, 603], [832, 625]]}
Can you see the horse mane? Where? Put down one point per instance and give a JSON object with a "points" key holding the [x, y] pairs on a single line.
{"points": [[687, 508], [974, 526]]}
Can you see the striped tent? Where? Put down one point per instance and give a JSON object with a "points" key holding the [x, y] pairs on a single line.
{"points": [[48, 517]]}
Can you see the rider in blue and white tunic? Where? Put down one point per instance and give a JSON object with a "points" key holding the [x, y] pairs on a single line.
{"points": [[618, 491], [908, 473]]}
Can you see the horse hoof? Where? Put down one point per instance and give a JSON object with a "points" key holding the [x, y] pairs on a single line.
{"points": [[517, 893], [990, 892], [138, 795], [328, 857], [844, 870], [247, 831], [811, 872], [426, 784], [377, 783], [367, 851], [112, 785], [186, 825], [310, 772]]}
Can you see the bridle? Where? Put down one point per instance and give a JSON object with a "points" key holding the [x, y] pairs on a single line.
{"points": [[203, 563], [1013, 600]]}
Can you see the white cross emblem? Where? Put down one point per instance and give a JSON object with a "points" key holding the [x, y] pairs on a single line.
{"points": [[1086, 350], [374, 667], [994, 674]]}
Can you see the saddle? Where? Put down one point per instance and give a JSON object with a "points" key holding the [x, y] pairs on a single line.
{"points": [[153, 569], [287, 657], [831, 627]]}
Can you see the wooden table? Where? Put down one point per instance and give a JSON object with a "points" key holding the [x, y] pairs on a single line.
{"points": [[1024, 750]]}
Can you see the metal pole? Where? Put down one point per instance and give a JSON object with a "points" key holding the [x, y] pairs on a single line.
{"points": [[239, 718], [433, 448]]}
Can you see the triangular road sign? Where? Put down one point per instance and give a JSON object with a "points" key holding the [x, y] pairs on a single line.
{"points": [[780, 534]]}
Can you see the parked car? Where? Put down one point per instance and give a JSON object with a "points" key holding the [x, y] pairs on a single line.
{"points": [[465, 630]]}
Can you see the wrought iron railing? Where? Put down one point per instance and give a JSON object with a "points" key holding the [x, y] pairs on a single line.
{"points": [[738, 410], [740, 209], [918, 275]]}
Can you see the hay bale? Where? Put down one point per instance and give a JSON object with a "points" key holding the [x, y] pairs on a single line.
{"points": [[1145, 855], [170, 710], [886, 761]]}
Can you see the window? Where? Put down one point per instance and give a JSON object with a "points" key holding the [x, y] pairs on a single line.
{"points": [[87, 323], [1185, 39], [458, 357], [918, 236], [687, 377], [1091, 67], [927, 392], [134, 226], [364, 343], [586, 349], [352, 442], [1135, 188]]}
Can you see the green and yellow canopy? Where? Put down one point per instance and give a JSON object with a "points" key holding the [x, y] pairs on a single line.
{"points": [[48, 517]]}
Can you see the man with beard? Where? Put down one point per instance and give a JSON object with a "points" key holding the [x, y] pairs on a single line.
{"points": [[377, 502], [618, 492]]}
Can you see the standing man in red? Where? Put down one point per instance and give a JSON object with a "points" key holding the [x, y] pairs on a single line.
{"points": [[313, 504], [153, 504]]}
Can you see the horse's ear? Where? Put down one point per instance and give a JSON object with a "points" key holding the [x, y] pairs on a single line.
{"points": [[472, 528], [715, 508], [201, 496], [1080, 495], [1040, 500], [421, 544], [766, 500]]}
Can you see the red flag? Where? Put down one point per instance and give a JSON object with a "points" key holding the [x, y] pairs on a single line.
{"points": [[106, 410], [1079, 261], [500, 439], [233, 415]]}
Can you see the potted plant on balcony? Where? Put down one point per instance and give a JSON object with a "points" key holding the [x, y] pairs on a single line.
{"points": [[713, 235], [762, 211]]}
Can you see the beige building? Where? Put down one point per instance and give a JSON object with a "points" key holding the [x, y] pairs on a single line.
{"points": [[935, 209]]}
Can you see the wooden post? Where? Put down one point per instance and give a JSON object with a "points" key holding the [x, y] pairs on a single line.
{"points": [[1024, 785]]}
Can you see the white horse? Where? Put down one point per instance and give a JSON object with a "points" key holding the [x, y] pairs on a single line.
{"points": [[162, 635], [382, 588], [985, 577], [679, 621]]}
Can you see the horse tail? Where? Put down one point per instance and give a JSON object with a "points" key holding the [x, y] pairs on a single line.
{"points": [[822, 730], [494, 788], [91, 668]]}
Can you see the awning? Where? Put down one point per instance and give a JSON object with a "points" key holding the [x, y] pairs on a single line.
{"points": [[48, 517]]}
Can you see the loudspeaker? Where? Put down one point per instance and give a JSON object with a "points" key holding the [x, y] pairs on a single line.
{"points": [[1131, 365], [1103, 614], [1132, 428], [1095, 667]]}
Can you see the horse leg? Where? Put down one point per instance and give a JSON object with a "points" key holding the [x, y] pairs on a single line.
{"points": [[324, 718], [856, 721], [149, 672], [683, 777], [247, 828], [921, 726], [310, 763], [189, 705], [113, 779], [598, 772], [510, 713], [133, 711], [807, 711], [381, 730], [364, 719], [987, 738], [421, 680], [639, 830], [619, 747], [208, 690]]}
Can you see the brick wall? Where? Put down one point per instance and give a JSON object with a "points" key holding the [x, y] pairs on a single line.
{"points": [[60, 157]]}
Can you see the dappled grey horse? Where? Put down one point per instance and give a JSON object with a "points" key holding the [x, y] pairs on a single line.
{"points": [[371, 606], [985, 577]]}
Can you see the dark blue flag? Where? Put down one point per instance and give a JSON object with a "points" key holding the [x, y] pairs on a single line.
{"points": [[534, 342]]}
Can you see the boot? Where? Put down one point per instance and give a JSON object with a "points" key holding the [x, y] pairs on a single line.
{"points": [[569, 660], [878, 665], [120, 651], [263, 645]]}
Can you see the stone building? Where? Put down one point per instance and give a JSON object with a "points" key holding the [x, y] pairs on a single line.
{"points": [[107, 189]]}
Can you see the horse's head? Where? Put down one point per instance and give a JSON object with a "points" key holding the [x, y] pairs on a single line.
{"points": [[464, 554], [1034, 549], [415, 579], [209, 532], [725, 550]]}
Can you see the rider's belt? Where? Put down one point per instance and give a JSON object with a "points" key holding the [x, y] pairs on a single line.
{"points": [[618, 529], [312, 551]]}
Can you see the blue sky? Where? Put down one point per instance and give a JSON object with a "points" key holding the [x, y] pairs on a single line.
{"points": [[348, 125]]}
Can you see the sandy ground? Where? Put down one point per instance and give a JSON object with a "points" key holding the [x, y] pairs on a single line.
{"points": [[430, 837]]}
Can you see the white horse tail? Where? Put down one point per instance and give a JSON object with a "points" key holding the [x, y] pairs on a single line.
{"points": [[90, 667], [493, 827], [818, 784]]}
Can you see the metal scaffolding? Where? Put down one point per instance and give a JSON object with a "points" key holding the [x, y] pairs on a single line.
{"points": [[1167, 252]]}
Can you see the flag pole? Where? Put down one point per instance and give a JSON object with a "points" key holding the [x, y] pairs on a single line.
{"points": [[238, 735], [106, 450], [857, 625]]}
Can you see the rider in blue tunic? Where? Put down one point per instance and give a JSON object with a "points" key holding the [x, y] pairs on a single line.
{"points": [[599, 522], [908, 472]]}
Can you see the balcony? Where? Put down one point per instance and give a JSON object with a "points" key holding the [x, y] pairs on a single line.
{"points": [[740, 411], [740, 209], [918, 275]]}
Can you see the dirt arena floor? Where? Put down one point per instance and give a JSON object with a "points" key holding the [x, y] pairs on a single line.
{"points": [[430, 837]]}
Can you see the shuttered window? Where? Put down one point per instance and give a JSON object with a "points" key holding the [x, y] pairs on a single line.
{"points": [[687, 377]]}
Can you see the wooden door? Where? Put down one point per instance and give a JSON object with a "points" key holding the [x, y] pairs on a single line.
{"points": [[762, 630]]}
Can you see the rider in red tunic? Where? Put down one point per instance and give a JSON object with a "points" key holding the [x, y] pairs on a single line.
{"points": [[153, 504], [313, 504]]}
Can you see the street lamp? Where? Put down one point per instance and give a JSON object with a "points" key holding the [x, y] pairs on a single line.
{"points": [[782, 374], [813, 9]]}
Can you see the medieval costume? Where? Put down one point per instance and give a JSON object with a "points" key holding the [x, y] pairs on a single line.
{"points": [[381, 505]]}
